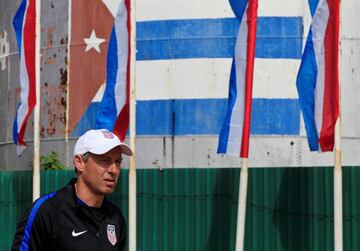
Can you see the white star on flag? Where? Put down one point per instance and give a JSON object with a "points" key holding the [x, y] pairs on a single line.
{"points": [[93, 42]]}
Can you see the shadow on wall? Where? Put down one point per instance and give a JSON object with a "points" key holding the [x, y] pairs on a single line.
{"points": [[303, 214], [222, 222]]}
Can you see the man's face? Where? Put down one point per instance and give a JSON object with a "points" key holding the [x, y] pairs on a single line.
{"points": [[101, 172]]}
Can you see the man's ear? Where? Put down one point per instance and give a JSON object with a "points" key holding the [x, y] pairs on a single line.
{"points": [[79, 163]]}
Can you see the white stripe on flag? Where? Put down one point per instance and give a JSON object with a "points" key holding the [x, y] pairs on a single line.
{"points": [[318, 28], [122, 46], [237, 115]]}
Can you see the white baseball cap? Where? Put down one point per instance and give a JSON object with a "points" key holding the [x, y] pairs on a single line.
{"points": [[99, 141]]}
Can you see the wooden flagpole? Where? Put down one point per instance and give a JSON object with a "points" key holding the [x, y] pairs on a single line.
{"points": [[338, 201], [132, 169], [338, 213], [36, 170], [67, 149], [241, 213]]}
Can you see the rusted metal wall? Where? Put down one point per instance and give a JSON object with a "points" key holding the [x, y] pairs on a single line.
{"points": [[54, 35]]}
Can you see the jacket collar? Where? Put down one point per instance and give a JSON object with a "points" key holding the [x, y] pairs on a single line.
{"points": [[77, 202]]}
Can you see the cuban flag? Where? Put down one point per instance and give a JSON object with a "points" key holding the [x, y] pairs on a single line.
{"points": [[235, 131], [99, 47], [24, 25], [113, 113], [318, 77]]}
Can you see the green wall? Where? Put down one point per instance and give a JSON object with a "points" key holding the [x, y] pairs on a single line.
{"points": [[195, 209]]}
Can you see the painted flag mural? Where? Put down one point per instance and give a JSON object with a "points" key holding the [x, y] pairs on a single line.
{"points": [[113, 113], [184, 53], [98, 56], [24, 25], [318, 77], [182, 70], [183, 61], [235, 131]]}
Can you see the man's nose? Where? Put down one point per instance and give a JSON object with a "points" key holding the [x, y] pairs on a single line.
{"points": [[114, 167]]}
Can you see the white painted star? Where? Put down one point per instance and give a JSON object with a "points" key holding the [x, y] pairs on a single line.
{"points": [[93, 42]]}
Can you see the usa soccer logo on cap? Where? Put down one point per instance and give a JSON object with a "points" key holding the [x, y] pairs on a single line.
{"points": [[111, 234], [107, 134]]}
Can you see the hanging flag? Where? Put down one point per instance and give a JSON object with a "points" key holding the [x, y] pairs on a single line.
{"points": [[24, 25], [92, 25], [318, 77], [235, 131], [113, 113]]}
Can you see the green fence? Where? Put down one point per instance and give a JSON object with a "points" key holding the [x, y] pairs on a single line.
{"points": [[196, 209]]}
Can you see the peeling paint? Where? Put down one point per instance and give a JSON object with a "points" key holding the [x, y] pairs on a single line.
{"points": [[53, 109], [4, 50], [63, 76], [164, 146], [49, 59]]}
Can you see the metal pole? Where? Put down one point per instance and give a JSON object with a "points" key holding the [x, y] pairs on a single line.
{"points": [[132, 169], [241, 213], [36, 170]]}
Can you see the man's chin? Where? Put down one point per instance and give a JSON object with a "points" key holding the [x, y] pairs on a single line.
{"points": [[108, 189]]}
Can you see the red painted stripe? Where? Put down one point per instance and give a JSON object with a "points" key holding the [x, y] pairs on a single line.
{"points": [[251, 14], [122, 122], [331, 92], [29, 36]]}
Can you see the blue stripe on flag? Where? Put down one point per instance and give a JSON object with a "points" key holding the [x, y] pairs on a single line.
{"points": [[15, 127], [238, 7], [225, 128], [277, 37], [18, 23], [306, 83], [107, 113], [204, 117], [312, 5]]}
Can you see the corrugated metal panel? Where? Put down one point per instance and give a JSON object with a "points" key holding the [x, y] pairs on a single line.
{"points": [[15, 197], [351, 208], [195, 209], [189, 209]]}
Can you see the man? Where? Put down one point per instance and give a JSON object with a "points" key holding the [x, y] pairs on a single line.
{"points": [[79, 217]]}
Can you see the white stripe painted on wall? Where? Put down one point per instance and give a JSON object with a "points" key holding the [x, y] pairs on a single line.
{"points": [[194, 9], [209, 78], [265, 151]]}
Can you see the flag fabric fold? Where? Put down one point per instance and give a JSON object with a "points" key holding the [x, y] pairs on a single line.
{"points": [[318, 77], [235, 132], [113, 113], [98, 56], [24, 25]]}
